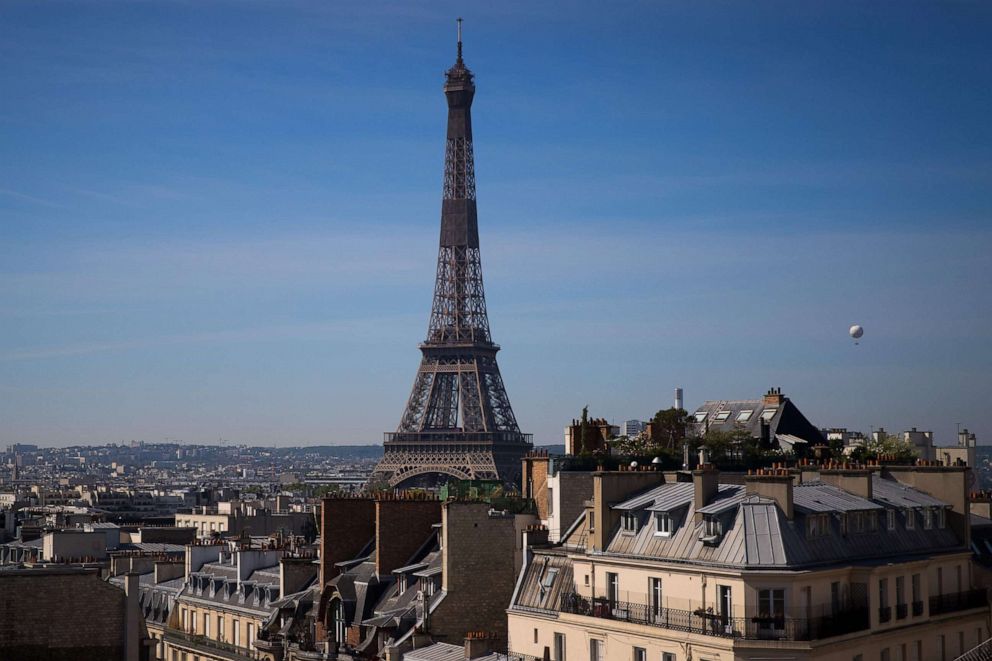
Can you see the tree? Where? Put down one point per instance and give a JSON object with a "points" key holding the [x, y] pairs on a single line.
{"points": [[886, 447], [670, 427]]}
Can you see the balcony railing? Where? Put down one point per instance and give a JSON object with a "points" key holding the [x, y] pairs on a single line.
{"points": [[958, 601], [885, 613], [215, 647], [758, 626], [917, 608], [902, 610]]}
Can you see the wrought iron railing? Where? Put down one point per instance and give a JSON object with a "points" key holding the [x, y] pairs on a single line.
{"points": [[958, 601], [885, 614], [759, 626], [917, 608], [227, 650], [902, 610]]}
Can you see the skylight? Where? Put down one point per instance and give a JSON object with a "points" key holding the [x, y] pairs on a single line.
{"points": [[700, 416], [768, 414], [744, 415], [722, 415]]}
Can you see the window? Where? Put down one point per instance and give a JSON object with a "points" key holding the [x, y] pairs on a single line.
{"points": [[535, 635], [612, 587], [629, 521], [667, 656], [251, 633], [842, 518], [662, 524], [340, 625], [885, 656], [817, 525], [559, 647], [592, 521], [551, 501], [654, 590], [768, 414], [713, 526], [587, 579], [942, 647], [595, 650], [721, 416], [910, 519], [771, 608], [901, 610], [960, 642], [725, 606], [639, 654], [744, 415], [206, 625], [835, 598], [700, 416], [890, 519], [928, 518], [941, 517], [220, 628], [549, 577], [236, 633]]}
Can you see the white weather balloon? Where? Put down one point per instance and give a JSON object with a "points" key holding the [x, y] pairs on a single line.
{"points": [[856, 331]]}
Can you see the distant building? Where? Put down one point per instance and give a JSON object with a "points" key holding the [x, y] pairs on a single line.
{"points": [[631, 428], [598, 431], [773, 419]]}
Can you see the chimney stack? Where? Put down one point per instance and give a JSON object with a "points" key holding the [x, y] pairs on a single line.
{"points": [[773, 397], [705, 483], [773, 483]]}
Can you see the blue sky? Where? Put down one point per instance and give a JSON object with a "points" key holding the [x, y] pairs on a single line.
{"points": [[219, 219]]}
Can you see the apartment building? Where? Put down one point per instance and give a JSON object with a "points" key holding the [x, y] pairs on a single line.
{"points": [[837, 563]]}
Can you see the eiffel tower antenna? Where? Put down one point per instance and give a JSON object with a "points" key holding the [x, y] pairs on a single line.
{"points": [[458, 421]]}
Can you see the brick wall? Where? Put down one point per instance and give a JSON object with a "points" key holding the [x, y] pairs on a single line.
{"points": [[535, 481], [346, 526], [479, 572], [49, 616], [402, 527]]}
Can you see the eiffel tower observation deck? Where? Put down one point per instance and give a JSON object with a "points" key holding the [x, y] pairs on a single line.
{"points": [[458, 422]]}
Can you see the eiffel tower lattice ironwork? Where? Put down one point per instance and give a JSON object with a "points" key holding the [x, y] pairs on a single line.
{"points": [[458, 421]]}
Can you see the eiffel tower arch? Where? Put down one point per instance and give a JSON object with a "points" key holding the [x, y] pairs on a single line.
{"points": [[458, 422]]}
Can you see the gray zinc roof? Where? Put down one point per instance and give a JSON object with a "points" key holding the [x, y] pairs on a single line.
{"points": [[819, 497]]}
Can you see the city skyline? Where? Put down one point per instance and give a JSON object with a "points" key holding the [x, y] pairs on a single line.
{"points": [[224, 225]]}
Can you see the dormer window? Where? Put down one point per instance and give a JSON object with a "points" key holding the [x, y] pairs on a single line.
{"points": [[700, 416], [890, 519], [817, 525], [629, 521], [941, 517], [910, 519], [401, 583], [768, 414], [663, 524], [928, 517], [713, 526]]}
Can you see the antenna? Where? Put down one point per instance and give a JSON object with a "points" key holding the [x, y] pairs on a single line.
{"points": [[459, 39]]}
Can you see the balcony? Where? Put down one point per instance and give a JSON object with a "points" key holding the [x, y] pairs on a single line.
{"points": [[902, 610], [917, 608], [754, 626], [884, 614], [958, 601], [215, 648]]}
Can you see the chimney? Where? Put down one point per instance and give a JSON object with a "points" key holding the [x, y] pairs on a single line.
{"points": [[678, 399], [295, 574], [347, 524], [852, 480], [773, 483], [705, 484], [478, 643], [609, 487], [132, 617], [535, 480], [402, 525], [773, 397]]}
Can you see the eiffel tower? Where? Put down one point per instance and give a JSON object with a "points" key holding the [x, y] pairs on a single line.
{"points": [[458, 422]]}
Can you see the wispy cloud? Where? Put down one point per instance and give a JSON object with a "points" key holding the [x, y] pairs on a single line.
{"points": [[31, 198]]}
